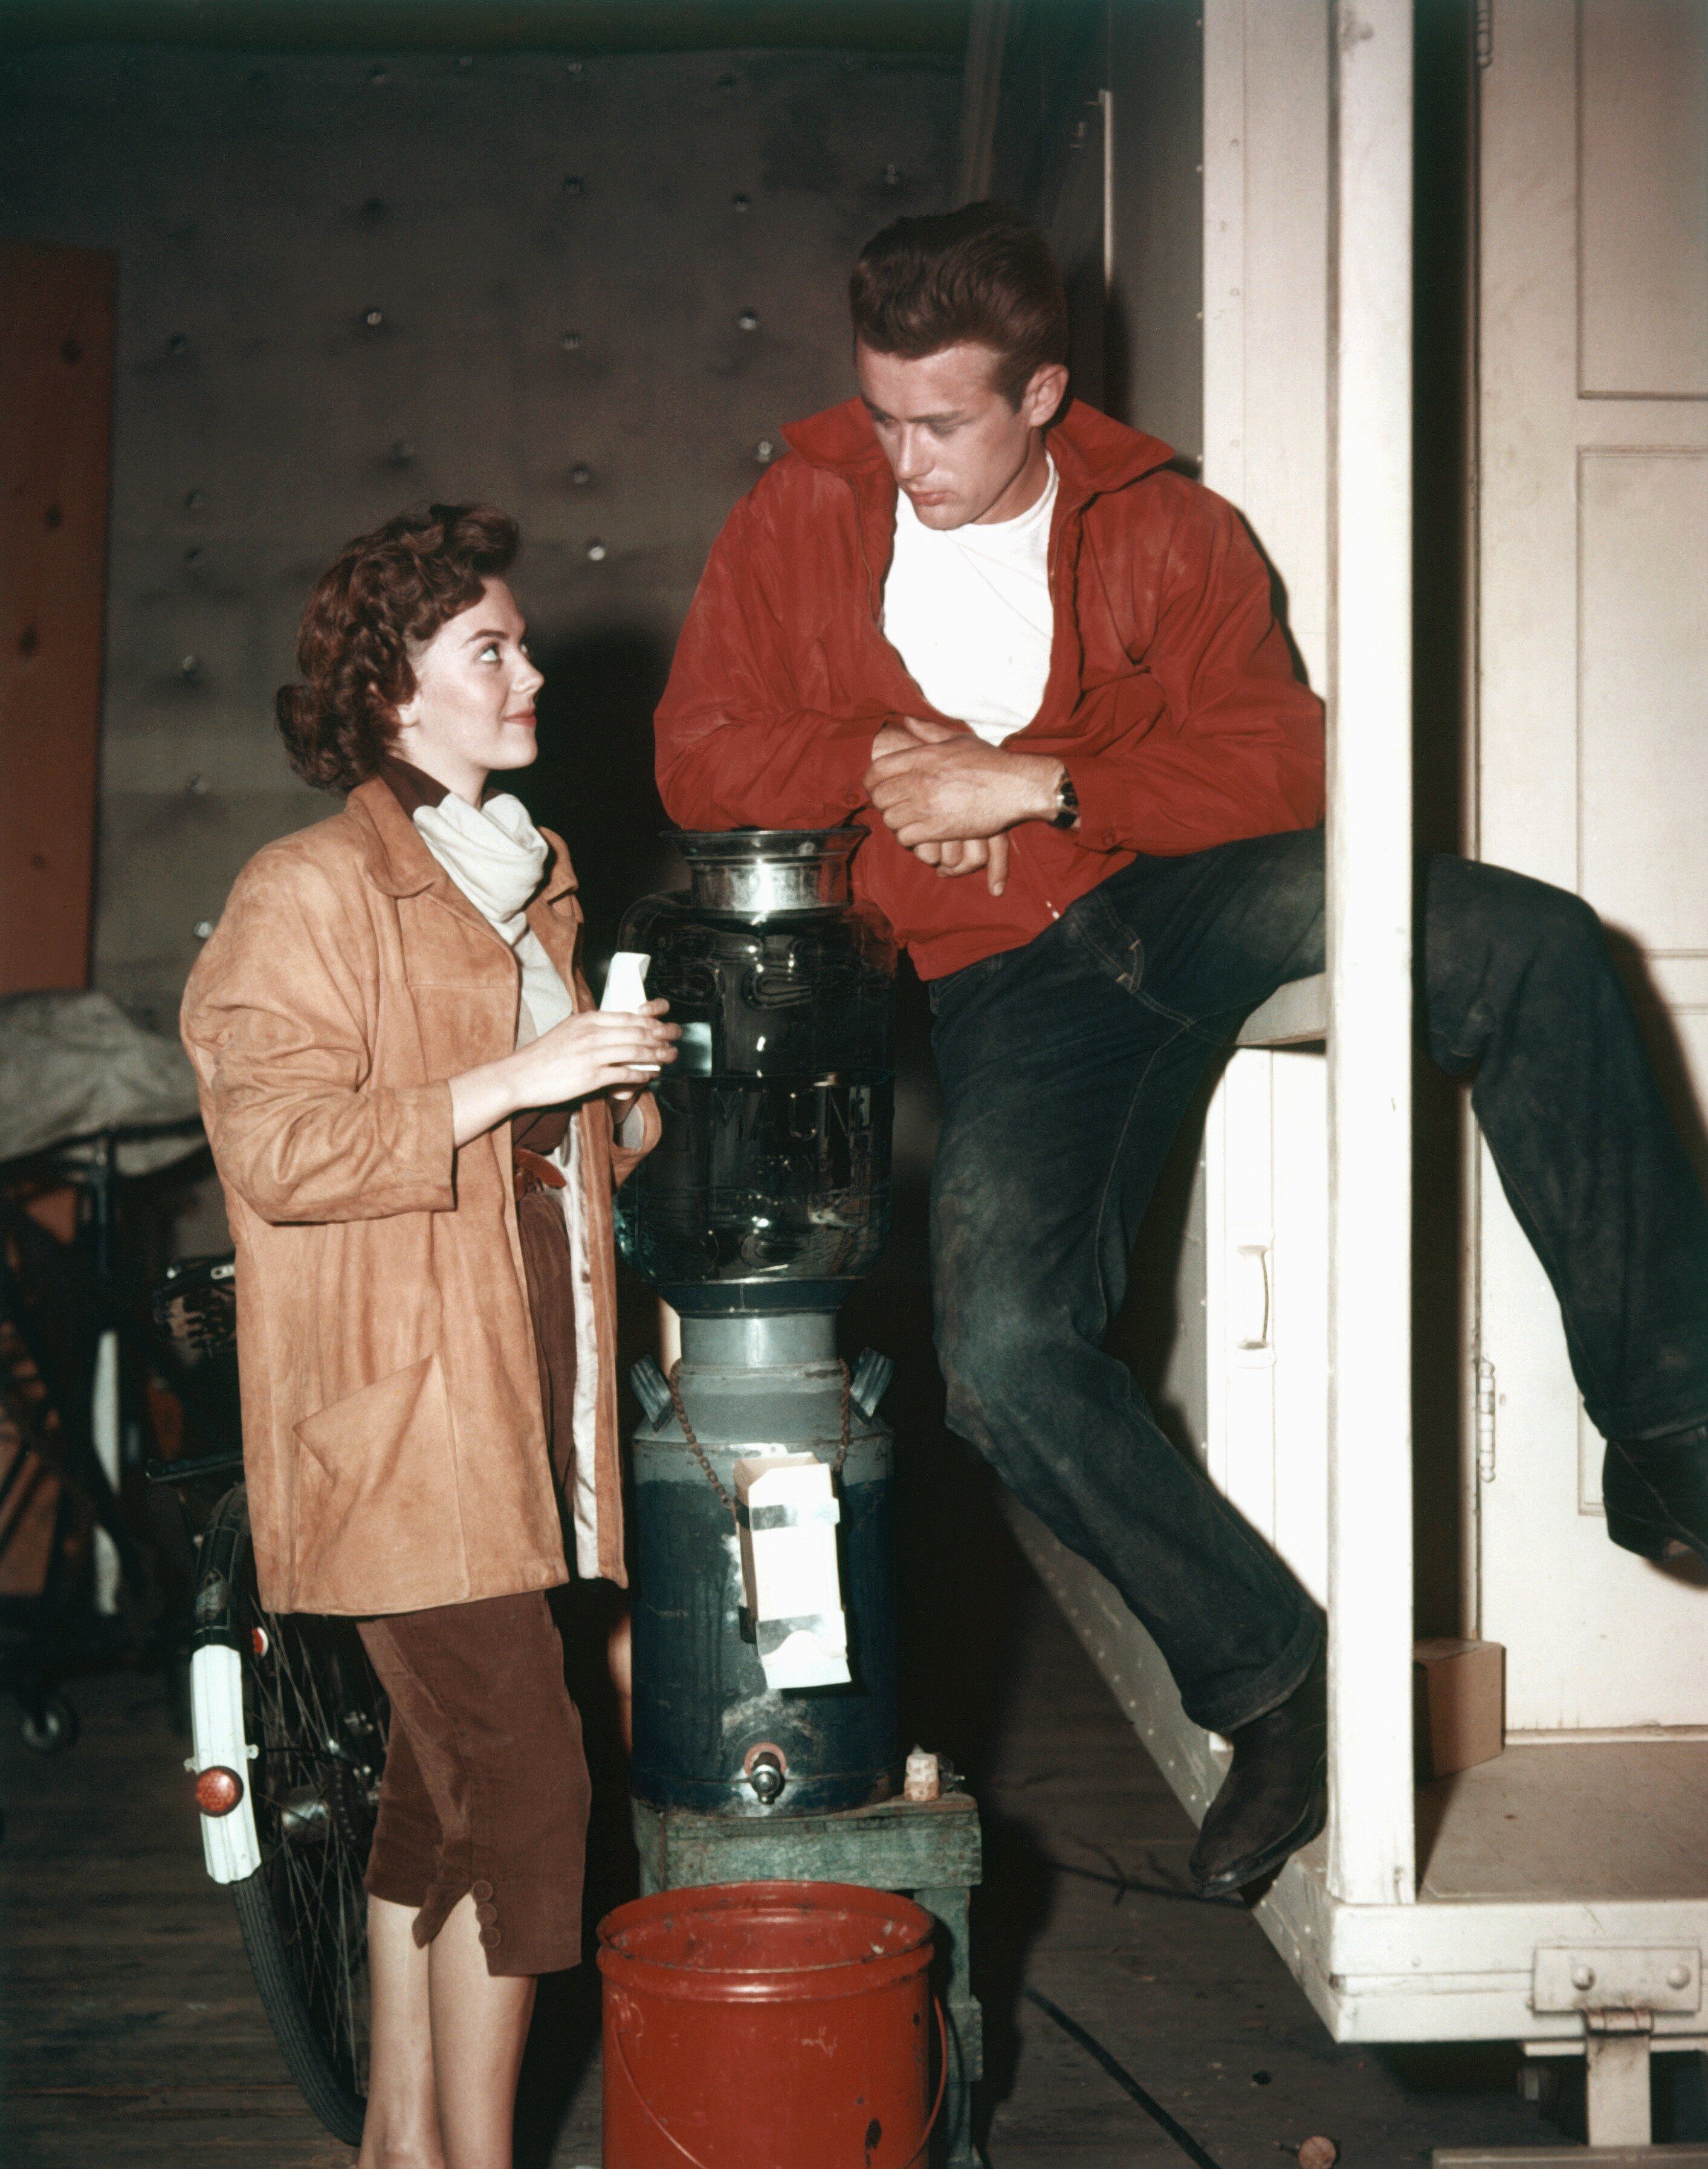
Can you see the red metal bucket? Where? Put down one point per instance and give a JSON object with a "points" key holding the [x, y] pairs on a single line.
{"points": [[766, 2026]]}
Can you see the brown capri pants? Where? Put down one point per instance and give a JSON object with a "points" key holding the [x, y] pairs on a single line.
{"points": [[486, 1787]]}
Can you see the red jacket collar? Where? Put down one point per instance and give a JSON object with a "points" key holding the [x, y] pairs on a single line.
{"points": [[1092, 453]]}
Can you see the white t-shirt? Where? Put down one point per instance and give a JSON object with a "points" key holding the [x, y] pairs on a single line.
{"points": [[968, 610]]}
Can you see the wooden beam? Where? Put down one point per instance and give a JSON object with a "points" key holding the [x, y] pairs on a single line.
{"points": [[55, 414], [1371, 1852]]}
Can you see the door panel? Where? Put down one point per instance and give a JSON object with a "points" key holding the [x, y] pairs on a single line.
{"points": [[1642, 711], [1591, 754], [1643, 137]]}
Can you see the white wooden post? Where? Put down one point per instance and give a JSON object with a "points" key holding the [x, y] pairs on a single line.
{"points": [[1371, 1853]]}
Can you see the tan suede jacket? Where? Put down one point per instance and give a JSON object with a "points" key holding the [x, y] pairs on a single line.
{"points": [[393, 1441]]}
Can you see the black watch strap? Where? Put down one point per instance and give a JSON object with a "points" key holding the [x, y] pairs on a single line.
{"points": [[1066, 803]]}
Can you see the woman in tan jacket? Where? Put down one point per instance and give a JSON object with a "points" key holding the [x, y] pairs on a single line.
{"points": [[412, 1102]]}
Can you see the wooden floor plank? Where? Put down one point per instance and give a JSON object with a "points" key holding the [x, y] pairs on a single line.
{"points": [[134, 2036]]}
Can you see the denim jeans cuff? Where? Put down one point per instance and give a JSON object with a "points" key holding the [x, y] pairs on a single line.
{"points": [[1267, 1689]]}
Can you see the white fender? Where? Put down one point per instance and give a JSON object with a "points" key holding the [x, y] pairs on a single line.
{"points": [[229, 1843]]}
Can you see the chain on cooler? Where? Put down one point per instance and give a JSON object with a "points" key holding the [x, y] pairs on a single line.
{"points": [[700, 1453]]}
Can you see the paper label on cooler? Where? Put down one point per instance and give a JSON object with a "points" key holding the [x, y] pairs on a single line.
{"points": [[788, 1513], [805, 1654]]}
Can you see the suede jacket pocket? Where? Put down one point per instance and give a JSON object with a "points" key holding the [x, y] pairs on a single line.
{"points": [[377, 1516]]}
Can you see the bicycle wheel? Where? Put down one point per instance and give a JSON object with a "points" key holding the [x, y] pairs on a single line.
{"points": [[314, 1721]]}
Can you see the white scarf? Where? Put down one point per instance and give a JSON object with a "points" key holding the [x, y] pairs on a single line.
{"points": [[497, 857]]}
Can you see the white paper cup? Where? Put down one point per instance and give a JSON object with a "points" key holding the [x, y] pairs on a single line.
{"points": [[626, 982]]}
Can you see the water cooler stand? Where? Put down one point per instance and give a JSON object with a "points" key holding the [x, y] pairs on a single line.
{"points": [[733, 1782], [763, 1205]]}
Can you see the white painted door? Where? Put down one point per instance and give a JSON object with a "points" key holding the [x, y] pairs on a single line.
{"points": [[1266, 364], [1591, 752]]}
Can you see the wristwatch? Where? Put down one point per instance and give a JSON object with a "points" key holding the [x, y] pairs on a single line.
{"points": [[1066, 814]]}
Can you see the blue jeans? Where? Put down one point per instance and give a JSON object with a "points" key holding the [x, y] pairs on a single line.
{"points": [[1066, 1067]]}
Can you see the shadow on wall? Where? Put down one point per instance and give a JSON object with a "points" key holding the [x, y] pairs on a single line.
{"points": [[594, 780]]}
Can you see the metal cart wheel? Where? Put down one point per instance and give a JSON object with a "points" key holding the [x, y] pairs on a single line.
{"points": [[313, 1728]]}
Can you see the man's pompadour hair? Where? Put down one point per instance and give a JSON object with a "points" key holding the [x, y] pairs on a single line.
{"points": [[982, 273]]}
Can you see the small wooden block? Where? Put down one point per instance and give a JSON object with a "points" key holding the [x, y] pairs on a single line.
{"points": [[1459, 1704], [901, 1845]]}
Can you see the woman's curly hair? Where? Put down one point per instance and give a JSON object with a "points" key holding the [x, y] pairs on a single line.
{"points": [[383, 599]]}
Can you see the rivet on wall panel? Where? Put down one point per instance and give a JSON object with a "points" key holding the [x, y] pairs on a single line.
{"points": [[197, 786], [740, 202], [190, 668], [571, 341], [377, 75], [748, 321], [572, 67], [203, 930], [581, 476], [596, 551], [764, 451], [574, 184], [373, 319], [194, 500], [892, 177], [403, 453], [465, 60]]}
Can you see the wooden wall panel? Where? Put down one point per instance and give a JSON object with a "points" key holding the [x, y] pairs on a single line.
{"points": [[55, 425]]}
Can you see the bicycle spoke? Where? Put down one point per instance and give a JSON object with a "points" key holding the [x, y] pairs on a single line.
{"points": [[322, 1737]]}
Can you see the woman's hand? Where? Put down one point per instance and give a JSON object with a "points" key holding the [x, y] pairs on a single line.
{"points": [[595, 1051]]}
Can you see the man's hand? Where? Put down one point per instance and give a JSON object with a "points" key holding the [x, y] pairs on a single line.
{"points": [[950, 797], [907, 731], [968, 856], [963, 856]]}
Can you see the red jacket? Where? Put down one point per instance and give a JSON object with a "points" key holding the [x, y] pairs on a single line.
{"points": [[1171, 695]]}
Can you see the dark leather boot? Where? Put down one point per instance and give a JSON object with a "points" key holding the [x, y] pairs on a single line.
{"points": [[1655, 1493], [1275, 1797]]}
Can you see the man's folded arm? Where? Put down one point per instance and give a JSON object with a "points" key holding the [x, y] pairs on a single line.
{"points": [[1227, 742], [736, 747]]}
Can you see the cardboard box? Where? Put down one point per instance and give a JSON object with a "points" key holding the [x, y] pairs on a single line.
{"points": [[1458, 1704]]}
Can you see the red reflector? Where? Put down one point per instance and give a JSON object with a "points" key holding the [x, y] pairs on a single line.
{"points": [[218, 1791], [257, 1640]]}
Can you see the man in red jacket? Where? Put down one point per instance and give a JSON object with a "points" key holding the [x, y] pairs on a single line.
{"points": [[1045, 671]]}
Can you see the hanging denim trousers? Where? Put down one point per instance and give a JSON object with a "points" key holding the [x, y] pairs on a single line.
{"points": [[1066, 1067]]}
